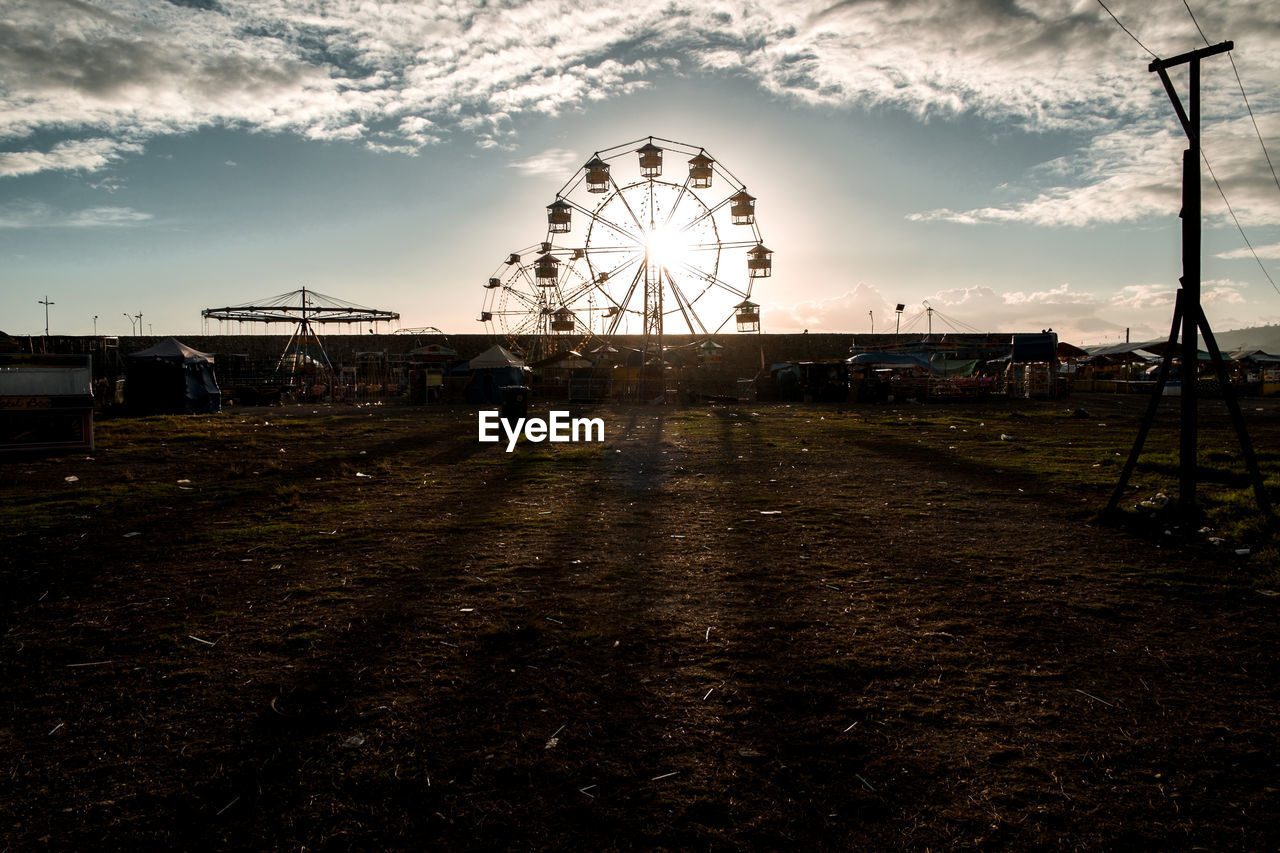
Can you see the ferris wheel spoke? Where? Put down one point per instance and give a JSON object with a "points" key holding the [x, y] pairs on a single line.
{"points": [[626, 262], [620, 232], [596, 218], [686, 308], [675, 205], [601, 250], [626, 300], [621, 196], [710, 212], [524, 299], [569, 297], [737, 244], [525, 276], [712, 280]]}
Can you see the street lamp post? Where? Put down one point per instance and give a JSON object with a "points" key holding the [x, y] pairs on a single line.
{"points": [[46, 303]]}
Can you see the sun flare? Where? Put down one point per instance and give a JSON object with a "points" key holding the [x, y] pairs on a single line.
{"points": [[667, 247]]}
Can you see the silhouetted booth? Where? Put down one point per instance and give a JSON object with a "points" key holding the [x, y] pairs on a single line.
{"points": [[46, 402], [1033, 365], [171, 378], [491, 371]]}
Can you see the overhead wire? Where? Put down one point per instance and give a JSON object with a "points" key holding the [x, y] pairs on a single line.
{"points": [[1257, 131], [1236, 220], [1126, 29]]}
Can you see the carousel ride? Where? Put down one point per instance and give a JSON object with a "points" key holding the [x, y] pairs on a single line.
{"points": [[631, 254], [304, 356]]}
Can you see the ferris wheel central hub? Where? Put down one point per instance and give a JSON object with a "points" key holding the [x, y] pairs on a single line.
{"points": [[665, 246]]}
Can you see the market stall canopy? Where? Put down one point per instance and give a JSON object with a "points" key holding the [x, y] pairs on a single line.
{"points": [[565, 359], [172, 349], [1156, 347], [890, 359], [1256, 356]]}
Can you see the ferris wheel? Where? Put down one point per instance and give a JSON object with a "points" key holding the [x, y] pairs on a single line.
{"points": [[640, 253], [663, 254], [524, 302]]}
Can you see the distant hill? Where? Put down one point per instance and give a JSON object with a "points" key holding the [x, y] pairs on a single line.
{"points": [[1265, 338]]}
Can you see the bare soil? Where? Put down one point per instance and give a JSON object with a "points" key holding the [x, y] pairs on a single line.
{"points": [[755, 627]]}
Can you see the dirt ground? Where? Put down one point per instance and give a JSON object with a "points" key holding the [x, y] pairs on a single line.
{"points": [[754, 627]]}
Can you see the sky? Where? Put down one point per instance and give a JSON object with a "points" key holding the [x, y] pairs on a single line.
{"points": [[1012, 165]]}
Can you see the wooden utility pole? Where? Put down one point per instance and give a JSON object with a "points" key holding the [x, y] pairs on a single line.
{"points": [[1188, 312], [1190, 119]]}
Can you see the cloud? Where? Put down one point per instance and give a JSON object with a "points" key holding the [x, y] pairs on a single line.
{"points": [[1061, 295], [848, 311], [1271, 252], [1144, 311], [1118, 177], [553, 162], [1126, 175], [399, 77], [1222, 292], [87, 155], [31, 214]]}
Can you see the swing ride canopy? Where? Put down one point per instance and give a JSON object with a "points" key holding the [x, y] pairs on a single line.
{"points": [[299, 305]]}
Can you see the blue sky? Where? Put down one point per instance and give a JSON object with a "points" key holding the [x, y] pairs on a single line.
{"points": [[1012, 165]]}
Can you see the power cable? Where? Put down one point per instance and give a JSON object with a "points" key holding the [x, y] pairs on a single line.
{"points": [[1239, 227], [1257, 131], [1126, 29]]}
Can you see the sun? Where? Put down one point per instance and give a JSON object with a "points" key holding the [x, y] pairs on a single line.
{"points": [[667, 247]]}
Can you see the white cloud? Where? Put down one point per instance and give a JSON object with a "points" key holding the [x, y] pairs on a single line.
{"points": [[1061, 295], [74, 155], [1144, 311], [1222, 292], [106, 217], [846, 311], [555, 162], [1271, 252], [31, 214], [402, 76]]}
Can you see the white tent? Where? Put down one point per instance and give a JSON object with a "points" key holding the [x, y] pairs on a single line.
{"points": [[496, 357]]}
